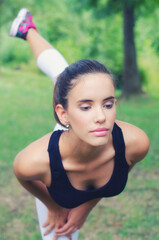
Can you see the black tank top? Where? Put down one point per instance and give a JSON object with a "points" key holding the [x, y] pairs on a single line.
{"points": [[67, 196]]}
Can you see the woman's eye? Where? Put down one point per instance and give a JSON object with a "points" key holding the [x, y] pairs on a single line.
{"points": [[85, 108], [108, 105]]}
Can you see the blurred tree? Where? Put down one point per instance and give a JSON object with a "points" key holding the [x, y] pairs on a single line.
{"points": [[131, 77]]}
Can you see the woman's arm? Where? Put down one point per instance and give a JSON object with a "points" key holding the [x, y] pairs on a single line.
{"points": [[136, 141], [31, 167]]}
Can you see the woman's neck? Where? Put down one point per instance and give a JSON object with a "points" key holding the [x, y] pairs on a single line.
{"points": [[78, 149]]}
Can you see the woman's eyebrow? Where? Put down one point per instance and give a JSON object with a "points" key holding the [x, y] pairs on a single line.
{"points": [[109, 98], [89, 100]]}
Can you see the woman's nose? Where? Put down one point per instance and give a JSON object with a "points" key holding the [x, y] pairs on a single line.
{"points": [[100, 116]]}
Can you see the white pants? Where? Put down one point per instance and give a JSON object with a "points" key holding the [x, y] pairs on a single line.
{"points": [[42, 216], [52, 63]]}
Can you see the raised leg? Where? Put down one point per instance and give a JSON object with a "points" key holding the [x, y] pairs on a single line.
{"points": [[49, 60]]}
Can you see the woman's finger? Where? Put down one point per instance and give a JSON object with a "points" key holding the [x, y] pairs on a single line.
{"points": [[46, 223], [68, 232], [49, 229], [64, 228], [55, 237]]}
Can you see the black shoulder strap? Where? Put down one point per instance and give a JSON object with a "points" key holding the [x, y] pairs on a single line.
{"points": [[118, 141], [53, 150]]}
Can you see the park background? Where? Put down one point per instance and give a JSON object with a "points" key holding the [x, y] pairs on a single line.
{"points": [[80, 29]]}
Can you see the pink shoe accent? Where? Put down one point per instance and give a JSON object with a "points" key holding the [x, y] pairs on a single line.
{"points": [[21, 24], [29, 18]]}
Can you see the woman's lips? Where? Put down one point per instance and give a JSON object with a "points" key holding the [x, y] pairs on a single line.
{"points": [[100, 132]]}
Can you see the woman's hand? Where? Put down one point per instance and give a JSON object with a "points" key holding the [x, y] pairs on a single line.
{"points": [[56, 219], [76, 218]]}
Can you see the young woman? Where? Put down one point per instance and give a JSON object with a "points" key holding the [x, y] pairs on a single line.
{"points": [[89, 154]]}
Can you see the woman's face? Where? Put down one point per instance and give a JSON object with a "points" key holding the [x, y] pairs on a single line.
{"points": [[92, 108]]}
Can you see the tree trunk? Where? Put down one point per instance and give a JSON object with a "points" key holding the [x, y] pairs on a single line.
{"points": [[131, 79]]}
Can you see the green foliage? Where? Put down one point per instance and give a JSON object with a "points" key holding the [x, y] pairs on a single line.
{"points": [[149, 39], [14, 54], [83, 29]]}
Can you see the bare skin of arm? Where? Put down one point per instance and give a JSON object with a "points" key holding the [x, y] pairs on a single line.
{"points": [[32, 171], [136, 142]]}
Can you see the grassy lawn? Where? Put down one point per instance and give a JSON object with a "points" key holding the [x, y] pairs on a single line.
{"points": [[26, 114]]}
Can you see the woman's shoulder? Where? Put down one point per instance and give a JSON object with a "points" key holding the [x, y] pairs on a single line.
{"points": [[33, 160], [136, 142]]}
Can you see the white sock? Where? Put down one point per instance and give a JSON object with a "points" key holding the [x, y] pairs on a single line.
{"points": [[52, 63]]}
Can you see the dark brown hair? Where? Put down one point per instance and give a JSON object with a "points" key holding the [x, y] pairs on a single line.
{"points": [[67, 79]]}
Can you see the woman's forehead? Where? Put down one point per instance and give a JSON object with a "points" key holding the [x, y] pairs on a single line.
{"points": [[92, 84]]}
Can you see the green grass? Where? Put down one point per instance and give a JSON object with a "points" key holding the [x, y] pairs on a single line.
{"points": [[26, 115]]}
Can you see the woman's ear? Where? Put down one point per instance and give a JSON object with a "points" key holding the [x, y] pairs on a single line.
{"points": [[62, 114]]}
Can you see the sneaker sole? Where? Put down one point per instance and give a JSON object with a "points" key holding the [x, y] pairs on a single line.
{"points": [[23, 12], [15, 25], [20, 17]]}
